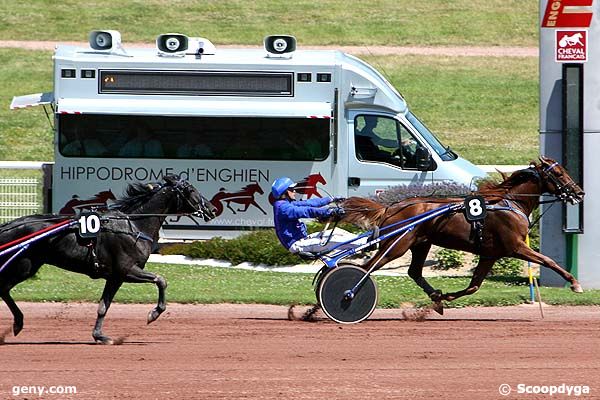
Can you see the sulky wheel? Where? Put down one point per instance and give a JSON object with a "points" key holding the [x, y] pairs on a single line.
{"points": [[326, 270], [337, 305]]}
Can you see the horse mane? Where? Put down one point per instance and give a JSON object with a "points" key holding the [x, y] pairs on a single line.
{"points": [[491, 188], [364, 213], [136, 194]]}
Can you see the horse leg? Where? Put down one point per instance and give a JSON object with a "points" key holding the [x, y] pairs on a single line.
{"points": [[110, 289], [16, 312], [229, 206], [138, 275], [482, 269], [523, 252], [20, 270], [415, 271]]}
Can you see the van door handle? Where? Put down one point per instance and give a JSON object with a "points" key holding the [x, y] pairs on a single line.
{"points": [[353, 181]]}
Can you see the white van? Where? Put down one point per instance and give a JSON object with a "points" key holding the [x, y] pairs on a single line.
{"points": [[231, 121]]}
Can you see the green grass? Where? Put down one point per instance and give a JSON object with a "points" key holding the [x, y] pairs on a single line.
{"points": [[192, 284], [484, 108], [370, 22], [25, 134]]}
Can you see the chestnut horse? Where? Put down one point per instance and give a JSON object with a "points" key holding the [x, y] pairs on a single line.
{"points": [[503, 232]]}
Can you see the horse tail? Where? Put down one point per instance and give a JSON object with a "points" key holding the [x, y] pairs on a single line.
{"points": [[363, 213]]}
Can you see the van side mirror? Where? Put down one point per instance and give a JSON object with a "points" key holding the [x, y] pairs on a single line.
{"points": [[423, 158]]}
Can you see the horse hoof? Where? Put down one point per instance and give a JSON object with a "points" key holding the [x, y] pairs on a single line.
{"points": [[153, 315], [576, 287], [438, 307], [104, 340], [17, 328]]}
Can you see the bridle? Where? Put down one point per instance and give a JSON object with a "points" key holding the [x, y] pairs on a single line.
{"points": [[564, 191], [183, 188]]}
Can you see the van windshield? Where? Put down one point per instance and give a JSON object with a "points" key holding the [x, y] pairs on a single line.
{"points": [[444, 152]]}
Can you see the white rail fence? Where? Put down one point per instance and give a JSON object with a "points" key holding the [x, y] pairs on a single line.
{"points": [[18, 197]]}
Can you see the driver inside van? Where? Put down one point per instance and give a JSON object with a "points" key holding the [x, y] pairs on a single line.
{"points": [[370, 145], [374, 145]]}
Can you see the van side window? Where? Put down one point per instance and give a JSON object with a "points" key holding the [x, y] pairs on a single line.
{"points": [[384, 139], [81, 141], [207, 138]]}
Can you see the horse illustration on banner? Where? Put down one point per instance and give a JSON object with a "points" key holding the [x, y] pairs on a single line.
{"points": [[307, 186], [244, 197], [98, 202]]}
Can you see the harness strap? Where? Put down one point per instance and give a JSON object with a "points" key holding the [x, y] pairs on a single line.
{"points": [[477, 233], [138, 235], [547, 169], [509, 207], [142, 235], [92, 256]]}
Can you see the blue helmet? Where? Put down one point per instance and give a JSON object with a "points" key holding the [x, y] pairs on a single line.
{"points": [[281, 185]]}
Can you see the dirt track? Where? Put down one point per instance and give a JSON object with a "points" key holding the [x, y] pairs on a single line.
{"points": [[255, 352]]}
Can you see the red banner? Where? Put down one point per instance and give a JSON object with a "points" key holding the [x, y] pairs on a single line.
{"points": [[559, 14]]}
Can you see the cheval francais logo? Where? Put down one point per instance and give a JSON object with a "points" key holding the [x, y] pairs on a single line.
{"points": [[571, 46]]}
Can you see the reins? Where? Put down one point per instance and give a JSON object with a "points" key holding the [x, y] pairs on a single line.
{"points": [[141, 215], [551, 202]]}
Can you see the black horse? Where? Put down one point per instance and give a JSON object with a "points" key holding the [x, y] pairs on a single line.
{"points": [[118, 253]]}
